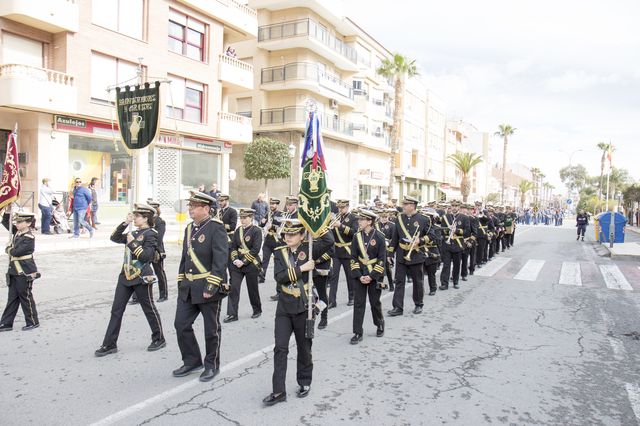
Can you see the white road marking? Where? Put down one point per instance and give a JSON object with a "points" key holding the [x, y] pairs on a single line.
{"points": [[570, 274], [613, 278], [618, 349], [195, 382], [633, 392], [530, 270], [493, 266]]}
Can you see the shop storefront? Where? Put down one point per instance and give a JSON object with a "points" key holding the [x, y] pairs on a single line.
{"points": [[371, 185]]}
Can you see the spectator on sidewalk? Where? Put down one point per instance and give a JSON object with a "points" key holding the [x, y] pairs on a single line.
{"points": [[215, 192], [45, 203], [81, 202], [260, 206], [94, 202]]}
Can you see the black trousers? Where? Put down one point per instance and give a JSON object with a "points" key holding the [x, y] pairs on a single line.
{"points": [[158, 269], [449, 257], [122, 295], [284, 326], [360, 292], [335, 277], [464, 265], [320, 283], [582, 229], [250, 273], [417, 277], [472, 257], [430, 271], [186, 314], [388, 270], [481, 251], [20, 295], [513, 236], [267, 251]]}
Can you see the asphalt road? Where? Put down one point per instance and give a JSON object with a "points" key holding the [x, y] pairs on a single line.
{"points": [[536, 337]]}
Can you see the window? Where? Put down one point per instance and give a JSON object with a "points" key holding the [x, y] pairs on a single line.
{"points": [[123, 16], [186, 100], [22, 50], [244, 106], [186, 36], [414, 158], [108, 71], [360, 88]]}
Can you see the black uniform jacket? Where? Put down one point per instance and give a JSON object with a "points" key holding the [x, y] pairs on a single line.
{"points": [[271, 239], [343, 234], [143, 251], [287, 274], [403, 233], [245, 246], [20, 250], [462, 231], [323, 251], [229, 217], [161, 227], [432, 248], [203, 266], [368, 255]]}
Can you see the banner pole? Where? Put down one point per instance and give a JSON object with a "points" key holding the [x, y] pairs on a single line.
{"points": [[310, 280]]}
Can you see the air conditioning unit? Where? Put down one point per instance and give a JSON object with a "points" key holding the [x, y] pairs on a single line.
{"points": [[333, 104]]}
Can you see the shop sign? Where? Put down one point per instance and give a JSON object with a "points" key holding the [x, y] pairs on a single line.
{"points": [[377, 175], [138, 112], [79, 125], [171, 140]]}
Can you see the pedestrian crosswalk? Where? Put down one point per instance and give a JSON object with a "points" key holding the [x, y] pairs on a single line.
{"points": [[580, 274]]}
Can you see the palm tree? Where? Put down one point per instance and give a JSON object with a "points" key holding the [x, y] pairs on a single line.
{"points": [[504, 131], [399, 68], [534, 178], [604, 147], [524, 187], [541, 176], [465, 162]]}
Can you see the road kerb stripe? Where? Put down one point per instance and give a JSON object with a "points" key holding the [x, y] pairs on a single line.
{"points": [[570, 274], [633, 392], [493, 266], [530, 270]]}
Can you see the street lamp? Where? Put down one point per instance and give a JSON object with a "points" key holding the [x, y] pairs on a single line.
{"points": [[292, 154]]}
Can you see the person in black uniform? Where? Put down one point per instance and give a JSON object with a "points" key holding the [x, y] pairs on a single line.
{"points": [[323, 252], [291, 271], [511, 218], [245, 264], [410, 235], [202, 284], [227, 215], [432, 250], [483, 239], [22, 271], [457, 229], [290, 212], [469, 243], [500, 216], [582, 220], [368, 253], [343, 227], [136, 276], [271, 239], [385, 226], [492, 224]]}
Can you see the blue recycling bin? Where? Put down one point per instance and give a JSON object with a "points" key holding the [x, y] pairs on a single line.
{"points": [[619, 222]]}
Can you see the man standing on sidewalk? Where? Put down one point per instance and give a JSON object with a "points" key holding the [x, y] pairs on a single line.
{"points": [[94, 202], [260, 206], [81, 201], [45, 203]]}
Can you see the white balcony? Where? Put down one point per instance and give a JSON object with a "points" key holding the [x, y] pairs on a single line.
{"points": [[234, 128], [231, 13], [52, 16], [31, 88], [234, 74]]}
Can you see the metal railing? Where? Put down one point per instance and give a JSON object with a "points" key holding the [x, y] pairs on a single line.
{"points": [[296, 114], [307, 71], [310, 28]]}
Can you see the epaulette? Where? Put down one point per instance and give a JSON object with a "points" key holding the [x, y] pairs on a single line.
{"points": [[154, 230], [29, 235], [281, 247], [215, 219]]}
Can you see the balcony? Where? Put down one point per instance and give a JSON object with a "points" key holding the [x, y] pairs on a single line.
{"points": [[234, 128], [52, 16], [31, 88], [294, 117], [307, 76], [231, 13], [308, 34], [235, 74]]}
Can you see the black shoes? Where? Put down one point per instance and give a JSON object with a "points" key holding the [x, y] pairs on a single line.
{"points": [[582, 238], [357, 338], [230, 318], [163, 299], [432, 293], [391, 287], [273, 399], [185, 370], [350, 302], [417, 310], [332, 305], [444, 287], [6, 327], [578, 237], [380, 331], [30, 327], [256, 315], [471, 272], [157, 344], [106, 350], [303, 391], [455, 285], [394, 312], [274, 297], [208, 374], [261, 281], [464, 278], [323, 324]]}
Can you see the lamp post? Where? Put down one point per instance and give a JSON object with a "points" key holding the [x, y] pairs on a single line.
{"points": [[292, 154], [570, 155]]}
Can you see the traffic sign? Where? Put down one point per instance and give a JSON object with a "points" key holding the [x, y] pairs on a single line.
{"points": [[569, 201]]}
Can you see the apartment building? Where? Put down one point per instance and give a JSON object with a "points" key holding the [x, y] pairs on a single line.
{"points": [[308, 54], [436, 127], [60, 60]]}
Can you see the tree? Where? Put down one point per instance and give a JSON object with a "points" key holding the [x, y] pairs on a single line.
{"points": [[465, 162], [266, 159], [574, 177], [535, 172], [492, 197], [504, 131], [524, 187], [604, 147], [631, 196], [398, 68]]}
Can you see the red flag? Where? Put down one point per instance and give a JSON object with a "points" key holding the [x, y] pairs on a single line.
{"points": [[10, 184]]}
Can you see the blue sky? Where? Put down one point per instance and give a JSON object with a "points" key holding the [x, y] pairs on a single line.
{"points": [[565, 73]]}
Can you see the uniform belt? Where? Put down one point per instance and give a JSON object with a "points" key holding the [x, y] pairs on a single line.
{"points": [[343, 245], [25, 257], [191, 277], [407, 246], [367, 262], [293, 291]]}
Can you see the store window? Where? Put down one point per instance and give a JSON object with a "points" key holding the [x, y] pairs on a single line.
{"points": [[22, 50], [105, 159], [199, 168], [123, 16], [187, 36], [364, 194], [107, 71], [186, 100]]}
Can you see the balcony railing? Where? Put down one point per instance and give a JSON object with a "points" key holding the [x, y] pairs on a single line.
{"points": [[307, 71], [310, 28], [234, 127], [295, 114], [36, 74], [39, 89], [236, 72]]}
